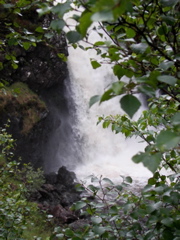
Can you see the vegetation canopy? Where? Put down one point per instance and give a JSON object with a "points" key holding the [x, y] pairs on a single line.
{"points": [[140, 39]]}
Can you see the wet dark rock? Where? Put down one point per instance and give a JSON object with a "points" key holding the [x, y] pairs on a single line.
{"points": [[63, 215], [79, 224], [56, 196], [40, 67], [51, 178], [57, 192], [66, 177], [44, 73]]}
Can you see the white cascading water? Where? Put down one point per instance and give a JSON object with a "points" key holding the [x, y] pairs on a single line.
{"points": [[100, 151], [104, 153]]}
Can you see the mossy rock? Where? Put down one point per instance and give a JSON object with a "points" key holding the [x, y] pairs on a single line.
{"points": [[20, 102]]}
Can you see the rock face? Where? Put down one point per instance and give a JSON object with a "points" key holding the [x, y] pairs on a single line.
{"points": [[40, 67], [40, 108], [44, 134], [57, 194], [46, 74]]}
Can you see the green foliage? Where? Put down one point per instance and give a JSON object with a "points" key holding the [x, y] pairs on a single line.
{"points": [[6, 145], [140, 39], [130, 104], [21, 27], [143, 43], [119, 213], [162, 145], [16, 213]]}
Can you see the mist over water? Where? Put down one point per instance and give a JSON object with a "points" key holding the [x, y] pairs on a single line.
{"points": [[103, 152]]}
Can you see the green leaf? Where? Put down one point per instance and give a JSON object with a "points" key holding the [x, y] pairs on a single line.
{"points": [[167, 221], [85, 22], [107, 95], [68, 232], [78, 205], [117, 87], [62, 56], [61, 8], [168, 19], [176, 119], [162, 30], [167, 140], [77, 238], [167, 79], [168, 3], [48, 35], [152, 181], [99, 230], [8, 5], [153, 206], [99, 43], [73, 36], [119, 71], [12, 41], [27, 45], [128, 179], [94, 99], [57, 24], [152, 162], [44, 10], [130, 104], [95, 64], [114, 210], [153, 78], [93, 188], [130, 33], [121, 8], [107, 180], [1, 66], [96, 220], [166, 65], [60, 235], [101, 16], [168, 234], [148, 90], [39, 29], [1, 85], [14, 65], [139, 47]]}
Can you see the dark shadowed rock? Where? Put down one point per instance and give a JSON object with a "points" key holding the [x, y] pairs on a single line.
{"points": [[63, 215], [44, 73], [56, 192], [51, 178], [56, 195], [66, 177], [79, 224]]}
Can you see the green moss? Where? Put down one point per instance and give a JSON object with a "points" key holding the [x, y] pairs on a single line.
{"points": [[19, 101]]}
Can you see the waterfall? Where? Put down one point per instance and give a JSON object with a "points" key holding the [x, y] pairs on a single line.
{"points": [[103, 152], [62, 146], [99, 151]]}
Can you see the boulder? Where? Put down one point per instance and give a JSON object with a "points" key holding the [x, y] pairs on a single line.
{"points": [[56, 196]]}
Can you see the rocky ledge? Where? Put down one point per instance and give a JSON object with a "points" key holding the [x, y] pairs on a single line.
{"points": [[57, 194]]}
